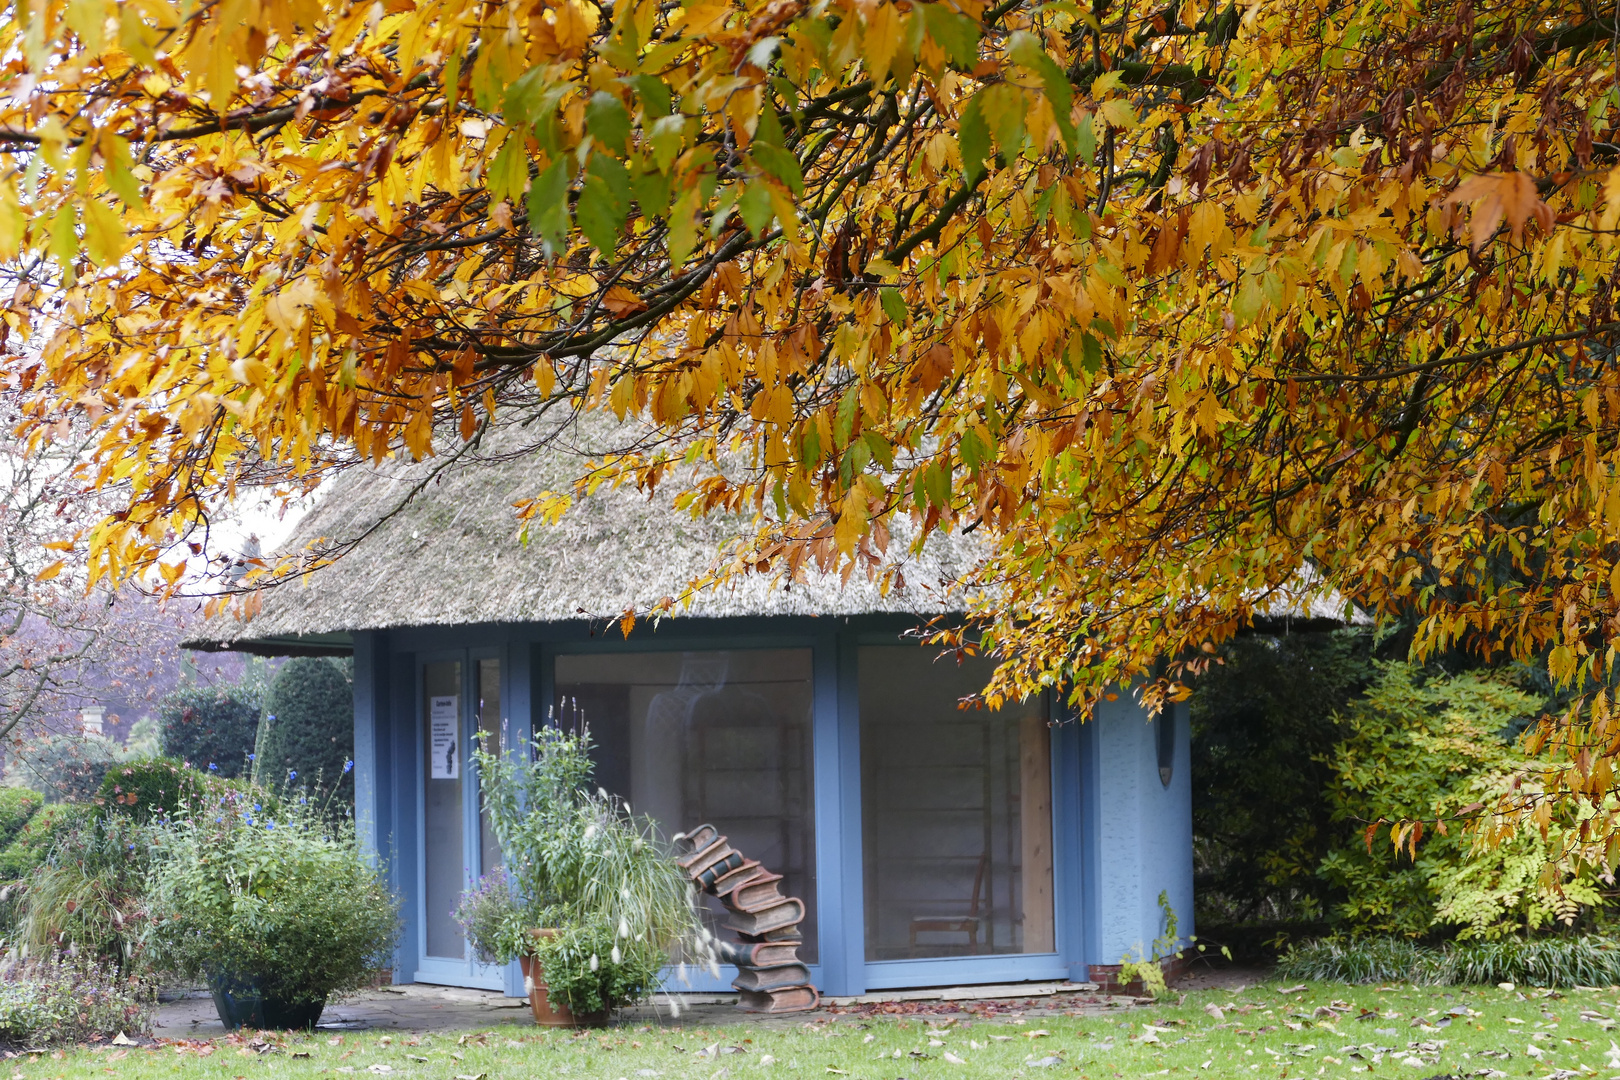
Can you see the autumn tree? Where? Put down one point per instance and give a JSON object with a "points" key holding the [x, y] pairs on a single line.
{"points": [[1188, 308]]}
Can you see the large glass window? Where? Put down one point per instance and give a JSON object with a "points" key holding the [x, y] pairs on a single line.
{"points": [[956, 810], [718, 737], [491, 728], [443, 863]]}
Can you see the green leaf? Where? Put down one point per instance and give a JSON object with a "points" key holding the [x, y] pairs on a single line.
{"points": [[683, 227], [651, 191], [1025, 49], [957, 34], [548, 207], [779, 163], [894, 306], [523, 97], [1003, 107], [882, 452], [509, 172], [844, 421], [667, 134], [121, 176], [604, 203], [974, 138], [608, 121], [1087, 141], [769, 129], [755, 207], [1091, 357], [654, 93]]}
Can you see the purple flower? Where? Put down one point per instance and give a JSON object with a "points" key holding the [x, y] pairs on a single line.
{"points": [[347, 765], [292, 774], [212, 767], [269, 824]]}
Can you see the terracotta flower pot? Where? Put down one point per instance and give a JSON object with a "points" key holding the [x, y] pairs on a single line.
{"points": [[547, 1012]]}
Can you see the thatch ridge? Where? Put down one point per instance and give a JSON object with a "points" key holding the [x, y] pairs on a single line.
{"points": [[451, 554]]}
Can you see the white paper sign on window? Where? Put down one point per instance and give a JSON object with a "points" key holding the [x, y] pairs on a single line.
{"points": [[444, 737]]}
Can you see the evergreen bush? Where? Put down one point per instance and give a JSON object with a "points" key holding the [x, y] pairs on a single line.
{"points": [[213, 725], [308, 728], [151, 787]]}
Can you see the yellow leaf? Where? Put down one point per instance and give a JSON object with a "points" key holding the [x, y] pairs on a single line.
{"points": [[51, 570], [882, 41]]}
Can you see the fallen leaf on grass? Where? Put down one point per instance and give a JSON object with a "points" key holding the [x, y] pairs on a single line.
{"points": [[471, 1076], [953, 1059], [1037, 1034], [1215, 1011], [122, 1040], [380, 1069], [1045, 1062], [837, 1072], [1292, 989]]}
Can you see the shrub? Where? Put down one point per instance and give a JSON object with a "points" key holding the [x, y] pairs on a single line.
{"points": [[582, 865], [490, 916], [35, 840], [1423, 746], [285, 900], [151, 787], [88, 896], [589, 967], [308, 727], [212, 726], [17, 806], [60, 999], [1573, 960]]}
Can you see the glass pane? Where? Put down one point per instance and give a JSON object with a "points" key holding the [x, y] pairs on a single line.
{"points": [[490, 724], [718, 737], [956, 807], [444, 866]]}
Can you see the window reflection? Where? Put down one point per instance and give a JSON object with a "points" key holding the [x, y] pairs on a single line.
{"points": [[719, 737]]}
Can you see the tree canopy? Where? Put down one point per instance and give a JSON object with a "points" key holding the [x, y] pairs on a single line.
{"points": [[1193, 309]]}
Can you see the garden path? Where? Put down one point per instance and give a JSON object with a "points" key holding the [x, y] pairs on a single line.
{"points": [[420, 1007]]}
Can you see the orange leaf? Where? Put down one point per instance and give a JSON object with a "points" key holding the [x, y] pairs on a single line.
{"points": [[621, 301], [1497, 197], [51, 570]]}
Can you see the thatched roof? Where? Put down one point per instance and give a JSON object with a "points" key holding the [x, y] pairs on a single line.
{"points": [[450, 555]]}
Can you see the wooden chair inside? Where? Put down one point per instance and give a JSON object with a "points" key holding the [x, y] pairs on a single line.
{"points": [[965, 923]]}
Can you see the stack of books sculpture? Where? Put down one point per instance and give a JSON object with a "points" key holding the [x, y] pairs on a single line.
{"points": [[770, 977]]}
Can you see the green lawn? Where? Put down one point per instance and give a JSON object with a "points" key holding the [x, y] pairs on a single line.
{"points": [[1324, 1030]]}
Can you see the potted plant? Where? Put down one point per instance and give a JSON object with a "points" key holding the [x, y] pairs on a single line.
{"points": [[589, 900], [276, 909]]}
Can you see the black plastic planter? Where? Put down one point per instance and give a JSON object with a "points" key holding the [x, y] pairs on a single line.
{"points": [[240, 1005]]}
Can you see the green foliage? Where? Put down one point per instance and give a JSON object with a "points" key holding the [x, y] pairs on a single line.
{"points": [[88, 896], [152, 787], [60, 1000], [35, 840], [1264, 724], [17, 808], [591, 968], [308, 726], [580, 862], [1423, 746], [214, 726], [283, 898], [1150, 966], [495, 923], [1564, 960]]}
